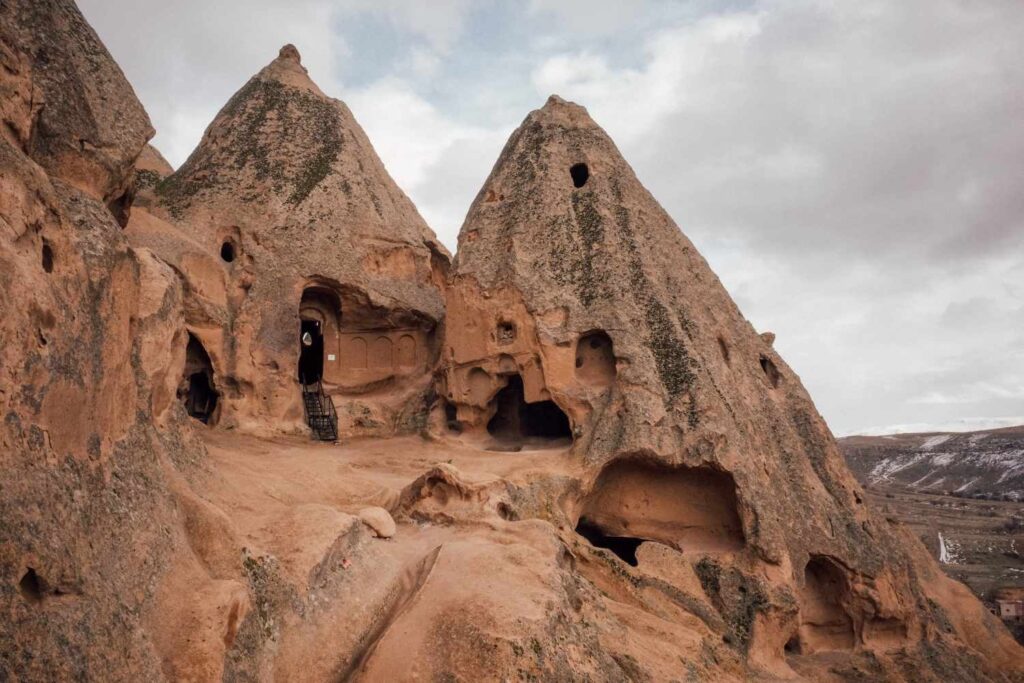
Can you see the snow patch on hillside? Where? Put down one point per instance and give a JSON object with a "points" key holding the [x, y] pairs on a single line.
{"points": [[934, 441]]}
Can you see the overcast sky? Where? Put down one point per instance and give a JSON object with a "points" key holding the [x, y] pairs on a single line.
{"points": [[853, 171]]}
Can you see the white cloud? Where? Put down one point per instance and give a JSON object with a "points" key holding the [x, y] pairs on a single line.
{"points": [[185, 59], [439, 22]]}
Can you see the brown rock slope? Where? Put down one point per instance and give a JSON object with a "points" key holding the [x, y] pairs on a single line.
{"points": [[284, 219], [85, 510], [578, 311]]}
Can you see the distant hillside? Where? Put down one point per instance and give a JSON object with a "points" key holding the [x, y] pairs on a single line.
{"points": [[986, 464], [960, 493]]}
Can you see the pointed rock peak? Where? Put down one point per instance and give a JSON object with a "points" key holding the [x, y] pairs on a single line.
{"points": [[289, 52], [287, 69], [564, 112]]}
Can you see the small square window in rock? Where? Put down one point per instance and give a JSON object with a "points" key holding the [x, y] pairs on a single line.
{"points": [[506, 333]]}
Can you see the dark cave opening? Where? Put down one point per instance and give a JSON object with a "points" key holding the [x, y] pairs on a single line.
{"points": [[47, 258], [199, 394], [31, 586], [311, 352], [580, 174], [515, 419], [227, 251], [623, 546], [770, 371]]}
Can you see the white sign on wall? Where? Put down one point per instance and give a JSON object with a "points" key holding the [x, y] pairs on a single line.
{"points": [[330, 356]]}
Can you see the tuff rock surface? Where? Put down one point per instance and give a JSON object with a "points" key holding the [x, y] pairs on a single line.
{"points": [[284, 210], [87, 517], [594, 468]]}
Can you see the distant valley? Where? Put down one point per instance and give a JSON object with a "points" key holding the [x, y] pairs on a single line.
{"points": [[962, 494]]}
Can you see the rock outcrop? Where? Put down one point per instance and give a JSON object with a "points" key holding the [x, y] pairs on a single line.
{"points": [[84, 323], [284, 219], [580, 318]]}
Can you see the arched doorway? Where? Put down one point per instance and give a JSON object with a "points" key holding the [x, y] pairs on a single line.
{"points": [[311, 353], [319, 314], [515, 421], [197, 391]]}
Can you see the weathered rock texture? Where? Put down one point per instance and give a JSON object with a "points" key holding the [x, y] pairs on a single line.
{"points": [[577, 309], [86, 516], [285, 213], [623, 481]]}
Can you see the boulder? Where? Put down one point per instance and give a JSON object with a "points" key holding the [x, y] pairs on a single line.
{"points": [[379, 520]]}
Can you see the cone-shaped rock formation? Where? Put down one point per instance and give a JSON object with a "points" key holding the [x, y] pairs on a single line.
{"points": [[623, 480], [578, 310], [286, 222]]}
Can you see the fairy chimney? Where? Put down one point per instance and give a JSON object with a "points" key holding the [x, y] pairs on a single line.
{"points": [[580, 319], [287, 227]]}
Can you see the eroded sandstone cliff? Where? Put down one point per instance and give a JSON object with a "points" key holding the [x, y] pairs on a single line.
{"points": [[284, 219], [621, 479], [85, 509]]}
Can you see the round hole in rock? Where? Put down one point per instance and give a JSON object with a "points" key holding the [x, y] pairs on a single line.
{"points": [[227, 251], [47, 258], [580, 174], [31, 586]]}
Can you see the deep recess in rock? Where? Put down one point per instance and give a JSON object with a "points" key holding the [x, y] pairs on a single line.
{"points": [[506, 333], [687, 508], [580, 174], [595, 358], [47, 258], [198, 392], [770, 371], [451, 417], [824, 622], [516, 420], [121, 207], [227, 251], [623, 546]]}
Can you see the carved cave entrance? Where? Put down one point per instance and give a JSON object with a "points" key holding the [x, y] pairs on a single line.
{"points": [[319, 319], [515, 421], [311, 352], [197, 391]]}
